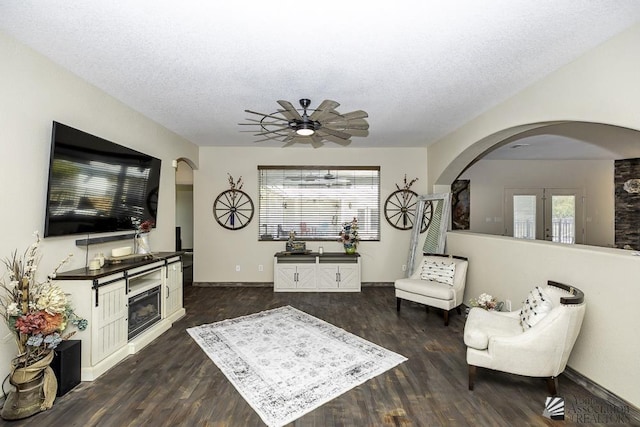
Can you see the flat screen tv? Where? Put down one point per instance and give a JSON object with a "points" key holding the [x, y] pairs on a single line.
{"points": [[97, 186]]}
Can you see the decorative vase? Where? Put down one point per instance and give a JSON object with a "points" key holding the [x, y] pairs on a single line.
{"points": [[142, 244], [35, 389], [350, 248]]}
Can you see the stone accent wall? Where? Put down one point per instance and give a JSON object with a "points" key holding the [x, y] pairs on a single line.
{"points": [[627, 204]]}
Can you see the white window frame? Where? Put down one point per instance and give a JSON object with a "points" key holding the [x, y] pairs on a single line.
{"points": [[315, 201]]}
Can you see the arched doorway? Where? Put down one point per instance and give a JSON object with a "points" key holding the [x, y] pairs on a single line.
{"points": [[552, 160], [184, 216]]}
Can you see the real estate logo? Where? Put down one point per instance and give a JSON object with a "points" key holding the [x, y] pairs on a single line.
{"points": [[591, 410], [554, 408]]}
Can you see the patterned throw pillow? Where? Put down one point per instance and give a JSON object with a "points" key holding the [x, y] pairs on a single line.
{"points": [[535, 307], [441, 272]]}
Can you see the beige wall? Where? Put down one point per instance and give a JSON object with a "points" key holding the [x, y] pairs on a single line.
{"points": [[600, 87], [607, 350], [217, 250], [34, 93], [489, 178]]}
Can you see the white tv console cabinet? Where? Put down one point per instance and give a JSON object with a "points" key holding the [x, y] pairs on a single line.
{"points": [[104, 296], [312, 272]]}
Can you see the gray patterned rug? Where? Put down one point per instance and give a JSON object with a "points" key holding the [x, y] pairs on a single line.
{"points": [[285, 363]]}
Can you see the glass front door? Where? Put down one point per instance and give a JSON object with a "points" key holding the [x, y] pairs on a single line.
{"points": [[553, 214]]}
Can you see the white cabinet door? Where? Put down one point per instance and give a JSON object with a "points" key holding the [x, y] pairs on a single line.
{"points": [[109, 320], [349, 276], [329, 273], [295, 276], [285, 276], [306, 276], [172, 289], [327, 276], [339, 276]]}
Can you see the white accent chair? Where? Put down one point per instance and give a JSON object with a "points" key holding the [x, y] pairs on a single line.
{"points": [[497, 340], [432, 293]]}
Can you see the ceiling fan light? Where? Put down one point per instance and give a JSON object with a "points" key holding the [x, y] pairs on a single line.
{"points": [[305, 129], [292, 125]]}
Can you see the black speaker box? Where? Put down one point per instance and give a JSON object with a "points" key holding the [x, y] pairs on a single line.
{"points": [[66, 365]]}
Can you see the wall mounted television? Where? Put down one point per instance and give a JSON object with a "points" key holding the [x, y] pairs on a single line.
{"points": [[97, 186]]}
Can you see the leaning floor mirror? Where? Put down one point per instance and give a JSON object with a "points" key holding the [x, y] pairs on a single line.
{"points": [[429, 236]]}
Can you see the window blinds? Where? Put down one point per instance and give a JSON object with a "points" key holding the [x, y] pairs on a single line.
{"points": [[314, 201]]}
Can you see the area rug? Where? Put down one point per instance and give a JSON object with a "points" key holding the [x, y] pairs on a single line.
{"points": [[285, 362]]}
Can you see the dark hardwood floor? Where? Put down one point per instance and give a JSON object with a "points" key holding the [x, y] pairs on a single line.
{"points": [[173, 383]]}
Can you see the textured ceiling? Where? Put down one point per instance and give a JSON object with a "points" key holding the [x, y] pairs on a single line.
{"points": [[420, 69]]}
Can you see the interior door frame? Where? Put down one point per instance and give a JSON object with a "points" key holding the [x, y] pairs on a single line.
{"points": [[578, 213], [508, 209], [543, 210]]}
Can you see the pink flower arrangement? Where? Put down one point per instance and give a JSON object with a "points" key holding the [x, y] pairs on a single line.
{"points": [[146, 226], [349, 233]]}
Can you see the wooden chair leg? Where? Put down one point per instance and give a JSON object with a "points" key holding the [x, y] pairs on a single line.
{"points": [[398, 301], [446, 317], [472, 376], [552, 385], [459, 310]]}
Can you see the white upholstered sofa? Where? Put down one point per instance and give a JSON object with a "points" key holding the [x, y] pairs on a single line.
{"points": [[535, 342], [437, 281]]}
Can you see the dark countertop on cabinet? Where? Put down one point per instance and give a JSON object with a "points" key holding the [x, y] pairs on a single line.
{"points": [[86, 274], [313, 257]]}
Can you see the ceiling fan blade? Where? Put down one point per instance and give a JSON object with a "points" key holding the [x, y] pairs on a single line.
{"points": [[266, 115], [348, 124], [359, 132], [358, 114], [262, 122], [270, 138], [268, 132], [337, 140], [261, 128], [316, 141], [324, 110], [329, 124], [288, 115], [289, 111], [334, 132]]}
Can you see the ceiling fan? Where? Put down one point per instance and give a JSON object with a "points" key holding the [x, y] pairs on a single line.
{"points": [[324, 123]]}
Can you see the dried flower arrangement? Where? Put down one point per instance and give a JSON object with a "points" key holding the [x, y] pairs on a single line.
{"points": [[37, 313]]}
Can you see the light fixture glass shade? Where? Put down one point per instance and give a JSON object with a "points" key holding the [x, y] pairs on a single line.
{"points": [[305, 132]]}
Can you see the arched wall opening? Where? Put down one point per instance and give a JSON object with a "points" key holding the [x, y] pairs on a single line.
{"points": [[508, 268], [184, 168], [590, 158], [599, 87]]}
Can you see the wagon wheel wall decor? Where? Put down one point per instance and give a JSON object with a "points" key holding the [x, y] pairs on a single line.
{"points": [[233, 209], [400, 210]]}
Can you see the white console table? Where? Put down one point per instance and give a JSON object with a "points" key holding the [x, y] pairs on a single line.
{"points": [[312, 272], [102, 297]]}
